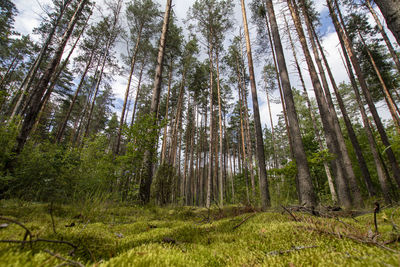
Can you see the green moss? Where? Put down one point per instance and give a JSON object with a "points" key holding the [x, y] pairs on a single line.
{"points": [[136, 236]]}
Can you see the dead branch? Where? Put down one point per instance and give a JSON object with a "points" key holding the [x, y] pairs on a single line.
{"points": [[40, 240], [58, 256], [280, 252], [359, 240], [291, 214], [27, 231], [243, 221]]}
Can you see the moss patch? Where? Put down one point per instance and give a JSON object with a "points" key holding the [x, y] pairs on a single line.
{"points": [[135, 236]]}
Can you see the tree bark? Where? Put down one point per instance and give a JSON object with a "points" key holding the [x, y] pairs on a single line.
{"points": [[349, 127], [145, 183], [384, 35], [164, 143], [40, 90], [388, 97], [220, 174], [313, 118], [60, 132], [137, 92], [246, 118], [349, 49], [327, 120], [391, 11], [132, 68], [306, 188], [29, 78], [347, 165], [264, 191]]}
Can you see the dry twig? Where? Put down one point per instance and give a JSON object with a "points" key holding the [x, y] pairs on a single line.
{"points": [[291, 214], [244, 220], [280, 252], [58, 256]]}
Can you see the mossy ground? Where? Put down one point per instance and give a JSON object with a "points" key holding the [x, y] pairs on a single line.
{"points": [[109, 235]]}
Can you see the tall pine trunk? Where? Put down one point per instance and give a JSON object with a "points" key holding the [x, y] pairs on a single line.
{"points": [[306, 189], [349, 49], [145, 183], [347, 165], [264, 191], [41, 88], [132, 68], [313, 118], [391, 11]]}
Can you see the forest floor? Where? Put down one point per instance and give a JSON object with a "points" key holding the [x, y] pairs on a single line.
{"points": [[108, 235]]}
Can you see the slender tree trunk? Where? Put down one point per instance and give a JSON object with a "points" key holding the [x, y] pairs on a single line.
{"points": [[37, 102], [178, 116], [132, 69], [349, 127], [384, 35], [137, 92], [382, 174], [76, 137], [164, 143], [349, 48], [10, 69], [246, 119], [189, 185], [280, 89], [145, 183], [29, 78], [388, 97], [96, 90], [327, 120], [61, 130], [347, 165], [245, 162], [313, 118], [220, 175], [306, 190], [57, 74], [265, 198]]}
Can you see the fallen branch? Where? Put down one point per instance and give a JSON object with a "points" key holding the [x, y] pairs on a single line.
{"points": [[291, 214], [40, 240], [58, 256], [27, 231], [243, 221], [363, 241], [280, 252]]}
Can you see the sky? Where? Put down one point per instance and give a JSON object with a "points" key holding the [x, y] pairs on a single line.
{"points": [[31, 10]]}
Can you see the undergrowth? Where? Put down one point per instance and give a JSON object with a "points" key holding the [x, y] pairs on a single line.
{"points": [[111, 235]]}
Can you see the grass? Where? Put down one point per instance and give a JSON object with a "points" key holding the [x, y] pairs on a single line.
{"points": [[109, 235]]}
